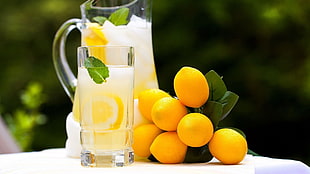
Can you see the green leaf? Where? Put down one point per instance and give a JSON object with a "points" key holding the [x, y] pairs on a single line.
{"points": [[152, 158], [100, 19], [228, 101], [97, 70], [214, 111], [217, 87], [119, 17], [195, 110], [197, 154], [251, 152]]}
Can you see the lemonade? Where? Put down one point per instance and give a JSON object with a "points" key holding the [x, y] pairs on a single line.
{"points": [[106, 113], [104, 119], [126, 23], [136, 33]]}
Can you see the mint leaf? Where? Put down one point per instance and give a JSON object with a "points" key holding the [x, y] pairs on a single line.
{"points": [[119, 17], [97, 70], [100, 19], [217, 86]]}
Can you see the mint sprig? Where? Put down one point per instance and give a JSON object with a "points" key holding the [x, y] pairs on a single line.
{"points": [[119, 17], [100, 19], [97, 70]]}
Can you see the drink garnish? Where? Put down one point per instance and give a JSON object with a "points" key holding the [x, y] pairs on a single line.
{"points": [[100, 19], [97, 70], [119, 17]]}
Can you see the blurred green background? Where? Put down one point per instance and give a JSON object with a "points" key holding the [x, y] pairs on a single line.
{"points": [[261, 48]]}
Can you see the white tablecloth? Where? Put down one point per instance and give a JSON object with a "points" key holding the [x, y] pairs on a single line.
{"points": [[55, 161]]}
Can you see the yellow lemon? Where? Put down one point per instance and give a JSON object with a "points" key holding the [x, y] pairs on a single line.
{"points": [[138, 118], [195, 129], [167, 148], [167, 112], [146, 100], [228, 146], [191, 87], [143, 137]]}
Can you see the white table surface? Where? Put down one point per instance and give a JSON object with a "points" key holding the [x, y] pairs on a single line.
{"points": [[55, 161]]}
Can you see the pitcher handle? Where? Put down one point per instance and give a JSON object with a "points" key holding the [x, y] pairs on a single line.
{"points": [[63, 70]]}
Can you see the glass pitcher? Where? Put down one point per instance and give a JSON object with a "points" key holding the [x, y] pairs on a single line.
{"points": [[110, 22]]}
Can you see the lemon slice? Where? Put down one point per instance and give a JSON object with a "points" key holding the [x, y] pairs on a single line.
{"points": [[105, 111], [93, 35], [75, 107]]}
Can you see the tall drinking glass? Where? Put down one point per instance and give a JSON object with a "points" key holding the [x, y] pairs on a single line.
{"points": [[106, 105]]}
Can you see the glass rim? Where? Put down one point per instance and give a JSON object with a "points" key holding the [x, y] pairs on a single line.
{"points": [[89, 4], [106, 46], [85, 51]]}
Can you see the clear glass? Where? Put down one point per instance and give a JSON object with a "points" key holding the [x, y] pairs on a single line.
{"points": [[106, 110], [136, 33]]}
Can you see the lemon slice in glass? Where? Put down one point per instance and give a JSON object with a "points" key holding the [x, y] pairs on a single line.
{"points": [[75, 107], [105, 111], [93, 35]]}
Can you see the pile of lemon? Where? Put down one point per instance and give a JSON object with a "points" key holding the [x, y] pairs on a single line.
{"points": [[185, 128]]}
